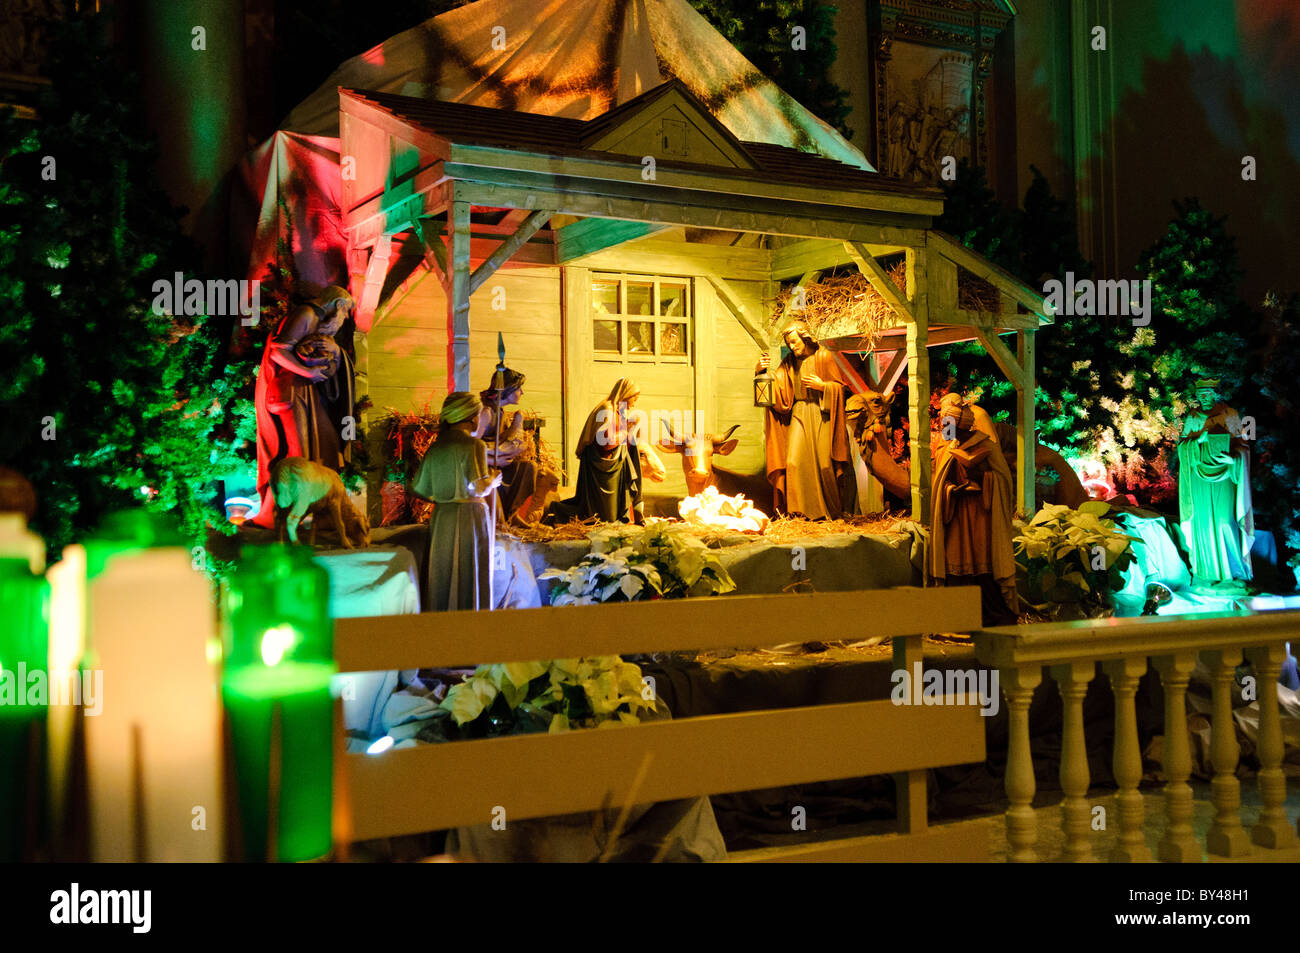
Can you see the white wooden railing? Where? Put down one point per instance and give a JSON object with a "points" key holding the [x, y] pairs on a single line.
{"points": [[1071, 651], [439, 786]]}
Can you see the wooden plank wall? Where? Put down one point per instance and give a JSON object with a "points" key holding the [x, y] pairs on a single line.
{"points": [[732, 372], [406, 351], [402, 361]]}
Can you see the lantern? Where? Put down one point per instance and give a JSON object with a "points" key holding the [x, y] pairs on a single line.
{"points": [[763, 384], [279, 656], [24, 696]]}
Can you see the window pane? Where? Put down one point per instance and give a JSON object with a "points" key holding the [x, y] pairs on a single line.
{"points": [[605, 336], [672, 299], [604, 296], [672, 339], [640, 337], [640, 297]]}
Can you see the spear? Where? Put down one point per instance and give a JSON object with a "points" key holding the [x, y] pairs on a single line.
{"points": [[498, 383]]}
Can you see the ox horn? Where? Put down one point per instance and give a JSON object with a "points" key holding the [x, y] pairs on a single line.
{"points": [[717, 441]]}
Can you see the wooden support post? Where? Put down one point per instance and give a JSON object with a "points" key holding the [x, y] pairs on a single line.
{"points": [[910, 786], [1025, 438], [918, 383], [458, 299]]}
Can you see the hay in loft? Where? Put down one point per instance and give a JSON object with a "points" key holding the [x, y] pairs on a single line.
{"points": [[847, 305]]}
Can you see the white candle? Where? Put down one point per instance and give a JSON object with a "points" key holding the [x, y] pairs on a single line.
{"points": [[152, 633]]}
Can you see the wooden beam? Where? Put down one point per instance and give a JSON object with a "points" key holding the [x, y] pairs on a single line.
{"points": [[1000, 278], [918, 384], [458, 298], [376, 272], [1025, 424], [488, 163], [547, 775], [468, 638], [508, 247], [888, 378], [435, 251], [856, 383], [872, 271], [808, 254], [592, 235], [667, 206], [959, 317], [1002, 356], [729, 298]]}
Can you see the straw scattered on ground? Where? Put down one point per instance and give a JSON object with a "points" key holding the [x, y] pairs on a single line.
{"points": [[782, 530]]}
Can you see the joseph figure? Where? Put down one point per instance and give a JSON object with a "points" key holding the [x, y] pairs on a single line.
{"points": [[1214, 505], [807, 435], [970, 501]]}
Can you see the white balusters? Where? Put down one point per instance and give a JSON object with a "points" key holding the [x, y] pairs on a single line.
{"points": [[1227, 837], [1273, 830], [1179, 844], [1022, 824], [1130, 845], [1073, 679]]}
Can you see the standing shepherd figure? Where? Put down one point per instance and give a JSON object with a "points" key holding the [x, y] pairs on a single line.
{"points": [[454, 476], [807, 435], [305, 392], [506, 446]]}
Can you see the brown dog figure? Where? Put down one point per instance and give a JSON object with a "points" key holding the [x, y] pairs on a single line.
{"points": [[301, 486]]}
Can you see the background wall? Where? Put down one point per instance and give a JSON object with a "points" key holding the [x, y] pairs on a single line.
{"points": [[1184, 90]]}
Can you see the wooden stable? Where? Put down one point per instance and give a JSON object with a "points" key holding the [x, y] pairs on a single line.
{"points": [[648, 242]]}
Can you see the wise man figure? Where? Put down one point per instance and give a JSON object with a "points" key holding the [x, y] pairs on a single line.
{"points": [[1214, 505], [970, 501], [807, 435]]}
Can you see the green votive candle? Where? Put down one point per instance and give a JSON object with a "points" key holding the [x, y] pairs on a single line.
{"points": [[279, 655], [24, 696]]}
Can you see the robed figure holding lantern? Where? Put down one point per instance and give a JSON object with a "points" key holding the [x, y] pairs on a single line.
{"points": [[970, 499], [807, 436], [1214, 505]]}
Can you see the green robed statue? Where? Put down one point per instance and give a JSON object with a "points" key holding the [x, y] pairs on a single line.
{"points": [[1214, 507]]}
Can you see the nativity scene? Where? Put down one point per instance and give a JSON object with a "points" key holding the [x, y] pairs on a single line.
{"points": [[785, 468]]}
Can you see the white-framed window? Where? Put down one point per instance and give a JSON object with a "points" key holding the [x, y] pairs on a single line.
{"points": [[641, 318]]}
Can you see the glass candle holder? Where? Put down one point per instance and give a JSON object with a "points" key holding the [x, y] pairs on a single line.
{"points": [[24, 700], [279, 657]]}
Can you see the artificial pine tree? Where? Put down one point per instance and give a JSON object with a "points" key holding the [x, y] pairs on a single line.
{"points": [[107, 404]]}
